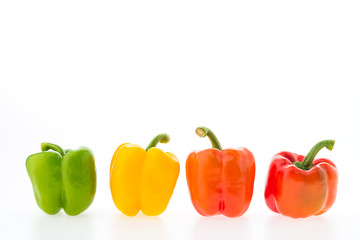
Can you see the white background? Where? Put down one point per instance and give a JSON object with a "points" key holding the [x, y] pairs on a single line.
{"points": [[267, 75]]}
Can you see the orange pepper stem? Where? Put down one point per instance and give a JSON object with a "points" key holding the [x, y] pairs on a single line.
{"points": [[162, 138], [306, 164], [46, 146], [204, 131]]}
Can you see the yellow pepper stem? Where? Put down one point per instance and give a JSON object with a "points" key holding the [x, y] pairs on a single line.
{"points": [[162, 138]]}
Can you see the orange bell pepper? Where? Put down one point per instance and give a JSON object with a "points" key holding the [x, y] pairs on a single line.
{"points": [[220, 181], [300, 187]]}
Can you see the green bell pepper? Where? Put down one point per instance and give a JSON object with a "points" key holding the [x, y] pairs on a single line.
{"points": [[62, 179]]}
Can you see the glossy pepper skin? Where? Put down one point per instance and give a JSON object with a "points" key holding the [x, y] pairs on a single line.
{"points": [[299, 186], [62, 179], [143, 179], [220, 181]]}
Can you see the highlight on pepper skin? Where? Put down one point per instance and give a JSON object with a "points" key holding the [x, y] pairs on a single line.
{"points": [[300, 187], [220, 181], [143, 180], [62, 179]]}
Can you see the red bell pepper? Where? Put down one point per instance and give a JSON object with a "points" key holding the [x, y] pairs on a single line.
{"points": [[300, 187], [220, 181]]}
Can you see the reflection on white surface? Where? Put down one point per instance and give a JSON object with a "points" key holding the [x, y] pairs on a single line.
{"points": [[220, 227], [114, 225], [62, 226], [138, 227], [279, 227]]}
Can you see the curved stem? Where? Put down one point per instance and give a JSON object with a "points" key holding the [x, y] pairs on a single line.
{"points": [[204, 131], [162, 138], [306, 164], [46, 146]]}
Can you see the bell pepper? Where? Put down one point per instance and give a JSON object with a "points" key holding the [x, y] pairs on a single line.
{"points": [[299, 186], [62, 179], [220, 180], [143, 179]]}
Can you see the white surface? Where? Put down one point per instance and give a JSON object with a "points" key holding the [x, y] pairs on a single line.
{"points": [[267, 75]]}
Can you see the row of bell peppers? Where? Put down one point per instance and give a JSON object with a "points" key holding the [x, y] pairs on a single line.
{"points": [[220, 180]]}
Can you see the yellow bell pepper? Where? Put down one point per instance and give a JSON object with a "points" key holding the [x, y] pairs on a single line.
{"points": [[143, 179]]}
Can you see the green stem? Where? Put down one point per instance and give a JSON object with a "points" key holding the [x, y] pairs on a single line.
{"points": [[46, 146], [162, 138], [306, 164], [204, 131]]}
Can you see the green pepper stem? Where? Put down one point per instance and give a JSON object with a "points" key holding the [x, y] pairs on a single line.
{"points": [[204, 131], [162, 138], [306, 164], [46, 146]]}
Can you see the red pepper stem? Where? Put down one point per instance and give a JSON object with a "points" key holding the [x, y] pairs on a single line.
{"points": [[204, 131], [308, 160], [46, 146], [162, 138]]}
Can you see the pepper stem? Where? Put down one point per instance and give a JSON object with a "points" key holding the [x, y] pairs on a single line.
{"points": [[306, 164], [204, 131], [162, 138], [46, 146]]}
